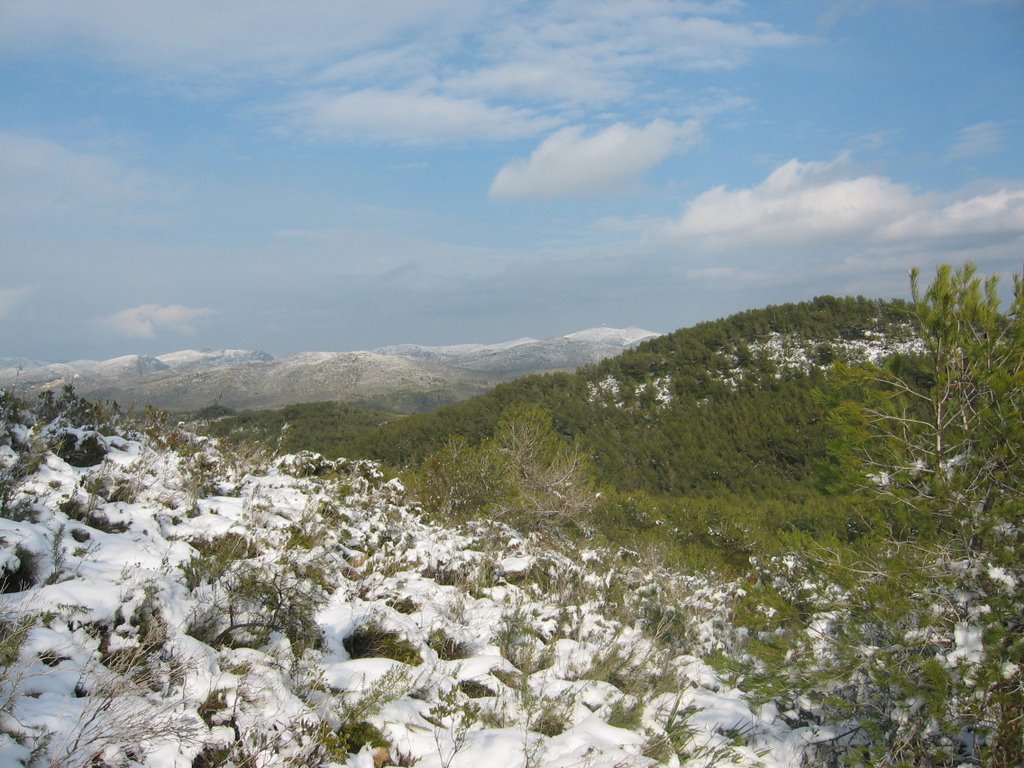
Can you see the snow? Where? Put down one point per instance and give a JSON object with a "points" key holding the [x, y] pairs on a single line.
{"points": [[624, 336], [209, 357], [126, 655]]}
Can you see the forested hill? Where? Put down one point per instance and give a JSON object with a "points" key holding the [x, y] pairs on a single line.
{"points": [[727, 405]]}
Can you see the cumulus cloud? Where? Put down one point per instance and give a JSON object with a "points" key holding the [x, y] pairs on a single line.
{"points": [[823, 203], [798, 202], [412, 117], [145, 320], [569, 163], [975, 140]]}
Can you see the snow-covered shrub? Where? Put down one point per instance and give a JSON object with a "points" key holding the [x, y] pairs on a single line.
{"points": [[373, 639]]}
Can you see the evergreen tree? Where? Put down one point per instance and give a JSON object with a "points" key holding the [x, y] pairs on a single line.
{"points": [[929, 649]]}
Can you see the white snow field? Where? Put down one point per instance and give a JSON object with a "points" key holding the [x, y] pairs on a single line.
{"points": [[173, 604]]}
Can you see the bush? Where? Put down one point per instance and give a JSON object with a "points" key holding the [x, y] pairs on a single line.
{"points": [[373, 640], [447, 647]]}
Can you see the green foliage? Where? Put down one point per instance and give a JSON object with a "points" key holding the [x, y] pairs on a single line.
{"points": [[460, 480], [352, 738], [526, 474], [331, 429], [373, 640], [447, 647], [215, 556], [71, 410], [627, 712], [927, 628], [251, 598], [759, 431]]}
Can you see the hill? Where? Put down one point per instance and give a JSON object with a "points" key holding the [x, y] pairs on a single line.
{"points": [[725, 406]]}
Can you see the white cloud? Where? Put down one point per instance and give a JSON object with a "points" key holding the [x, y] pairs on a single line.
{"points": [[995, 213], [496, 70], [196, 36], [825, 205], [975, 140], [568, 163], [145, 320], [798, 202], [413, 117]]}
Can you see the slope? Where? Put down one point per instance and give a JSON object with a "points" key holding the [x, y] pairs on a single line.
{"points": [[167, 603], [724, 406]]}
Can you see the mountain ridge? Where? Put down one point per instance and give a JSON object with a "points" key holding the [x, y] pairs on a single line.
{"points": [[402, 377]]}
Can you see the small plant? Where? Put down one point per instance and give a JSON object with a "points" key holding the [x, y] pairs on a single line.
{"points": [[452, 720], [447, 647], [215, 556], [508, 678], [85, 510], [474, 689], [405, 604], [25, 575], [657, 747], [627, 712], [373, 640], [85, 451], [552, 717], [359, 706], [57, 555], [517, 639], [354, 737]]}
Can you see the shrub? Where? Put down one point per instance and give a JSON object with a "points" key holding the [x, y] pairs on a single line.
{"points": [[215, 556], [475, 689], [373, 640], [86, 451], [25, 575], [447, 647]]}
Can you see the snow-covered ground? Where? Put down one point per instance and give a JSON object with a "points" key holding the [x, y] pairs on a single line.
{"points": [[170, 604]]}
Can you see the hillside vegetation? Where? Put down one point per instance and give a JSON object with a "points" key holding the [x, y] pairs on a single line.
{"points": [[707, 444], [856, 464], [726, 405], [520, 599]]}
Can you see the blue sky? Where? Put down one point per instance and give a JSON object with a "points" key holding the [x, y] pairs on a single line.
{"points": [[328, 175]]}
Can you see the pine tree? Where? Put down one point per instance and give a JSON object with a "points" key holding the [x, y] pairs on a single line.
{"points": [[929, 647]]}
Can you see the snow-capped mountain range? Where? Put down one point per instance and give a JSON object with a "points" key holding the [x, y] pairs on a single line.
{"points": [[406, 376]]}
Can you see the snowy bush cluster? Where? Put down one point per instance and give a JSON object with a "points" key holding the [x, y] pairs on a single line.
{"points": [[168, 604]]}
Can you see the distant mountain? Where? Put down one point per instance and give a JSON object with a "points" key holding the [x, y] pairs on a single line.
{"points": [[528, 355], [193, 359], [406, 377], [126, 366], [358, 377]]}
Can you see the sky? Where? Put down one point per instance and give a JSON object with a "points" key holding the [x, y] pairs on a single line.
{"points": [[334, 175]]}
